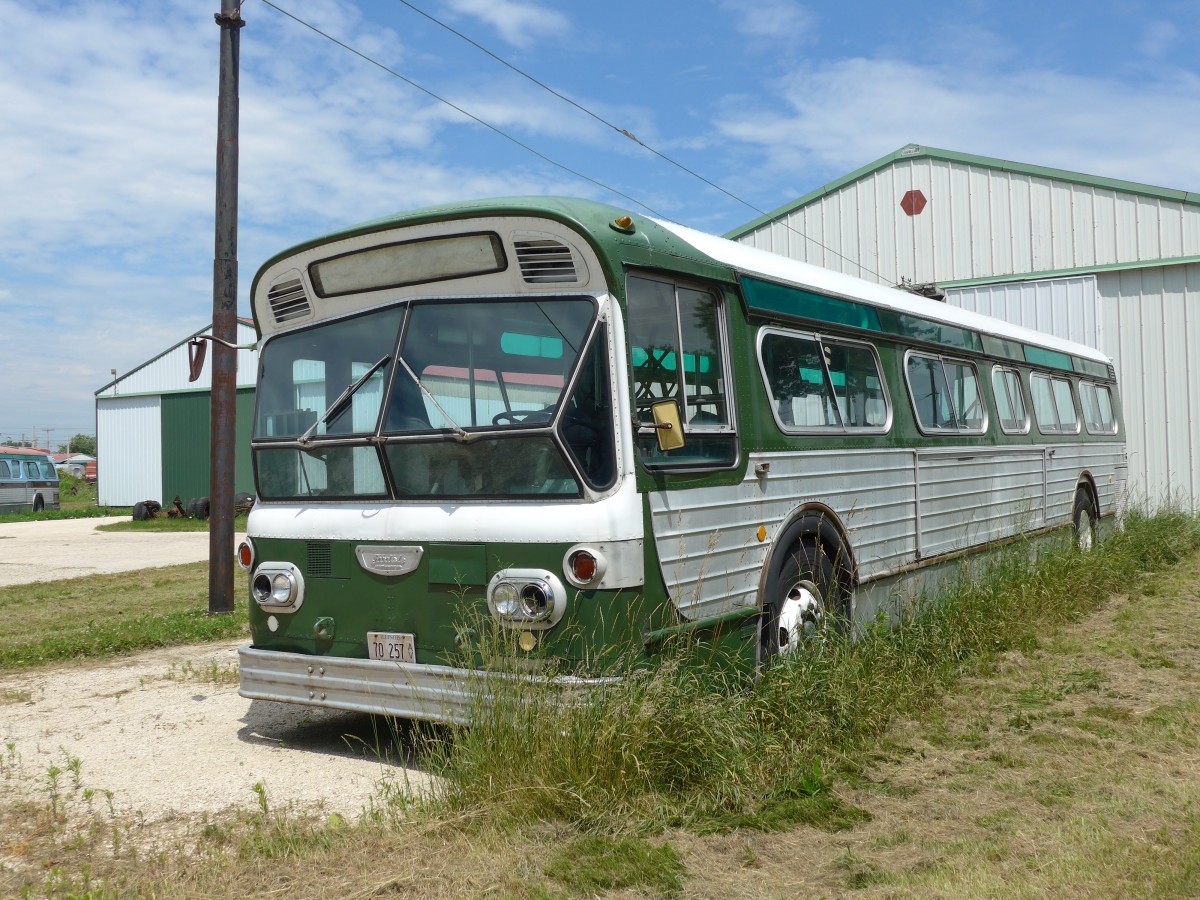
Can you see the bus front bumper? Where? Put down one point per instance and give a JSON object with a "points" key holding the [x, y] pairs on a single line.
{"points": [[403, 690]]}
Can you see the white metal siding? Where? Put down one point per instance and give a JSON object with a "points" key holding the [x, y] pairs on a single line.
{"points": [[1150, 325], [1065, 307], [169, 372], [129, 450], [980, 222]]}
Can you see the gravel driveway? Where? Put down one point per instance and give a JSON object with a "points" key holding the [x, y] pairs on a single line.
{"points": [[165, 731], [67, 548]]}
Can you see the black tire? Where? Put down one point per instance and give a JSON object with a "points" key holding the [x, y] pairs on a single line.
{"points": [[242, 502], [140, 512], [201, 510], [805, 594], [1084, 519], [38, 504], [190, 509]]}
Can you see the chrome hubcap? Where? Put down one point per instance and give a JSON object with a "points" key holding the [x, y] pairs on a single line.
{"points": [[1084, 537], [801, 614]]}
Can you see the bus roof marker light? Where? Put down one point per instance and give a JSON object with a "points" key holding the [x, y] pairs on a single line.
{"points": [[623, 224]]}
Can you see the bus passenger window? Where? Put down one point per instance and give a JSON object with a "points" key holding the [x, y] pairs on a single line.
{"points": [[817, 383], [857, 385], [1096, 400], [945, 394], [1010, 401], [1053, 405], [4, 473]]}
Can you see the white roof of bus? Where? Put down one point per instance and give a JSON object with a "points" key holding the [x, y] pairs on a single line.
{"points": [[752, 261]]}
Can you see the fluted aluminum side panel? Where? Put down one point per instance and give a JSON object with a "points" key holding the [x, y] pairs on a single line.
{"points": [[712, 559], [707, 539], [970, 497]]}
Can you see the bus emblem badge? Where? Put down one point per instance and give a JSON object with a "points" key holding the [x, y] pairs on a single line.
{"points": [[389, 560]]}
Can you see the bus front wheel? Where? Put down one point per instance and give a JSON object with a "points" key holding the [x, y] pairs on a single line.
{"points": [[38, 503], [1084, 519], [804, 597]]}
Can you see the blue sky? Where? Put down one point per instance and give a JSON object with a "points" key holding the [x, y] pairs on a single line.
{"points": [[108, 120]]}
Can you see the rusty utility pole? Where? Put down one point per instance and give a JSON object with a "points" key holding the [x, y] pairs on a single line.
{"points": [[224, 327]]}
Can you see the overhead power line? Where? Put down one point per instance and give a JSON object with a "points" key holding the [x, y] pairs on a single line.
{"points": [[493, 128], [594, 115]]}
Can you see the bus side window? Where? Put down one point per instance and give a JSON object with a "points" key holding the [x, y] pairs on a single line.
{"points": [[677, 352], [1053, 405], [4, 473], [945, 394], [1096, 400], [1010, 400]]}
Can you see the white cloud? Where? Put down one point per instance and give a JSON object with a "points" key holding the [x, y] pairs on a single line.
{"points": [[1158, 38], [776, 20], [834, 118], [517, 22]]}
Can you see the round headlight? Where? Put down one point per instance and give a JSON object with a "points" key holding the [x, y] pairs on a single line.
{"points": [[506, 599], [261, 588], [281, 588], [536, 599]]}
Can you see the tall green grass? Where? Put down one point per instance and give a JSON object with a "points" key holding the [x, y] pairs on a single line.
{"points": [[691, 746]]}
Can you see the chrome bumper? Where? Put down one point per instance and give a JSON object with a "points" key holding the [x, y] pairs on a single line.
{"points": [[403, 690]]}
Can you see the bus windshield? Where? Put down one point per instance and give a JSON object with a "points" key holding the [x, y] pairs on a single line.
{"points": [[439, 399]]}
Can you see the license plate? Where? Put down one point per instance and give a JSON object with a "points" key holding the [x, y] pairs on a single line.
{"points": [[392, 647]]}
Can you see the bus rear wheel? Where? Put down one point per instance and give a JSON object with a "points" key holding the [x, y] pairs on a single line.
{"points": [[804, 598], [1084, 520]]}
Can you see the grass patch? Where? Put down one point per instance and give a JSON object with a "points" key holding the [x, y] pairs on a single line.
{"points": [[543, 800], [163, 523], [72, 512], [691, 747], [106, 615], [595, 863]]}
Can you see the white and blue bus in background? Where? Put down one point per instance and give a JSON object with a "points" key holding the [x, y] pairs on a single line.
{"points": [[28, 480]]}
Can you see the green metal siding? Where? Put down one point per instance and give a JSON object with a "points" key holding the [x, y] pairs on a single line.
{"points": [[186, 439]]}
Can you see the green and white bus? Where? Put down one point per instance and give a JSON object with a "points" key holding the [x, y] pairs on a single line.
{"points": [[28, 480], [599, 430]]}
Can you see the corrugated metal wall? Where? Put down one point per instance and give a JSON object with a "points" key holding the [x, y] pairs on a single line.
{"points": [[129, 451], [186, 442], [1150, 323], [153, 428], [979, 222], [1066, 307]]}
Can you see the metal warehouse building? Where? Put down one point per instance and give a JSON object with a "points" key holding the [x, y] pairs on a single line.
{"points": [[1108, 263], [153, 427]]}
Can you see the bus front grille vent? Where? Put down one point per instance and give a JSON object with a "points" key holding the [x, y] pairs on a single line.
{"points": [[288, 301], [546, 262], [320, 560]]}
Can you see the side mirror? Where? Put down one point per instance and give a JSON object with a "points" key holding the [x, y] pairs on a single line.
{"points": [[667, 425], [197, 349]]}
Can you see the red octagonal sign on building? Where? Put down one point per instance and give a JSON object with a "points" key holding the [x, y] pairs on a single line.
{"points": [[913, 202]]}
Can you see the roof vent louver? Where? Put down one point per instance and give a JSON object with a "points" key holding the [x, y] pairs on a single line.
{"points": [[546, 261], [288, 301]]}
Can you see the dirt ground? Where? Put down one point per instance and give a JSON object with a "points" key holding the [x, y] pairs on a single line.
{"points": [[68, 548], [167, 734]]}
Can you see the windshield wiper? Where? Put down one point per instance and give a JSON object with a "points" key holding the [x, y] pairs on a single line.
{"points": [[458, 430], [343, 398]]}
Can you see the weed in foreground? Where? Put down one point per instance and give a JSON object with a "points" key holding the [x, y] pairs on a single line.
{"points": [[700, 748]]}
